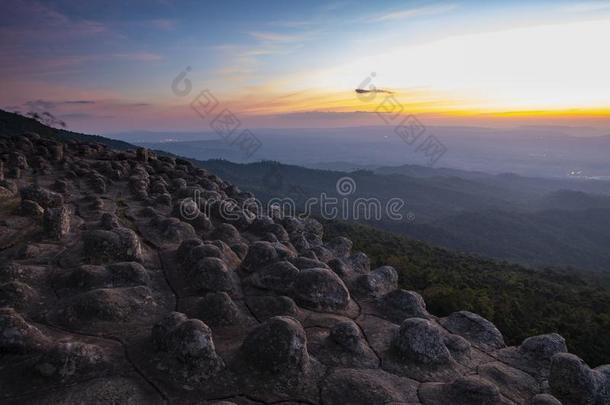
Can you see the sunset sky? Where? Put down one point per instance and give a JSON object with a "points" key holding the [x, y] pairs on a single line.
{"points": [[104, 67]]}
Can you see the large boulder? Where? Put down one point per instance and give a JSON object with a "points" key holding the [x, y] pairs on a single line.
{"points": [[32, 209], [476, 329], [87, 277], [119, 244], [277, 346], [572, 381], [341, 246], [420, 341], [226, 233], [171, 230], [218, 309], [127, 274], [191, 342], [402, 304], [345, 346], [313, 231], [377, 283], [71, 360], [107, 305], [56, 222], [17, 294], [543, 347], [360, 263], [160, 331], [320, 289], [190, 345], [17, 336], [260, 254], [279, 277], [46, 198], [191, 251], [211, 274], [347, 335]]}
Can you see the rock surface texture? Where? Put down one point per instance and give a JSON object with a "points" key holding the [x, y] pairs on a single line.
{"points": [[129, 277]]}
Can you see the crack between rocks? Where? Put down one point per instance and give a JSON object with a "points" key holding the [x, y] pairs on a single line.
{"points": [[157, 249], [125, 354], [324, 377], [51, 389], [379, 358], [250, 309], [167, 281]]}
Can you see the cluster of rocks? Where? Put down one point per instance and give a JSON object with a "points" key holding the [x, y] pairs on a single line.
{"points": [[132, 277]]}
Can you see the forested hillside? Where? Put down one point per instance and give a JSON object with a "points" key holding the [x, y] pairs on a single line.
{"points": [[520, 301]]}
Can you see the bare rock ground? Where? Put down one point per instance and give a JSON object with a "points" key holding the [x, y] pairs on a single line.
{"points": [[127, 277]]}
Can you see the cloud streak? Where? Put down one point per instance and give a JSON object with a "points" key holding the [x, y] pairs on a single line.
{"points": [[586, 7], [274, 37], [415, 12]]}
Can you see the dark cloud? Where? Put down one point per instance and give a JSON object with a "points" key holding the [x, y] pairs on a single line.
{"points": [[81, 115], [79, 102], [49, 105], [40, 105], [360, 91]]}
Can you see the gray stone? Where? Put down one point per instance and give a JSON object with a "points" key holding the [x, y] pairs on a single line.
{"points": [[341, 246], [211, 274], [18, 295], [260, 254], [378, 282], [45, 198], [118, 244], [107, 305], [18, 336], [218, 309], [190, 345], [402, 304], [31, 208], [476, 329], [160, 331], [572, 381], [226, 233], [279, 345], [279, 276], [320, 289], [345, 346], [543, 347], [56, 222], [420, 341], [70, 361]]}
